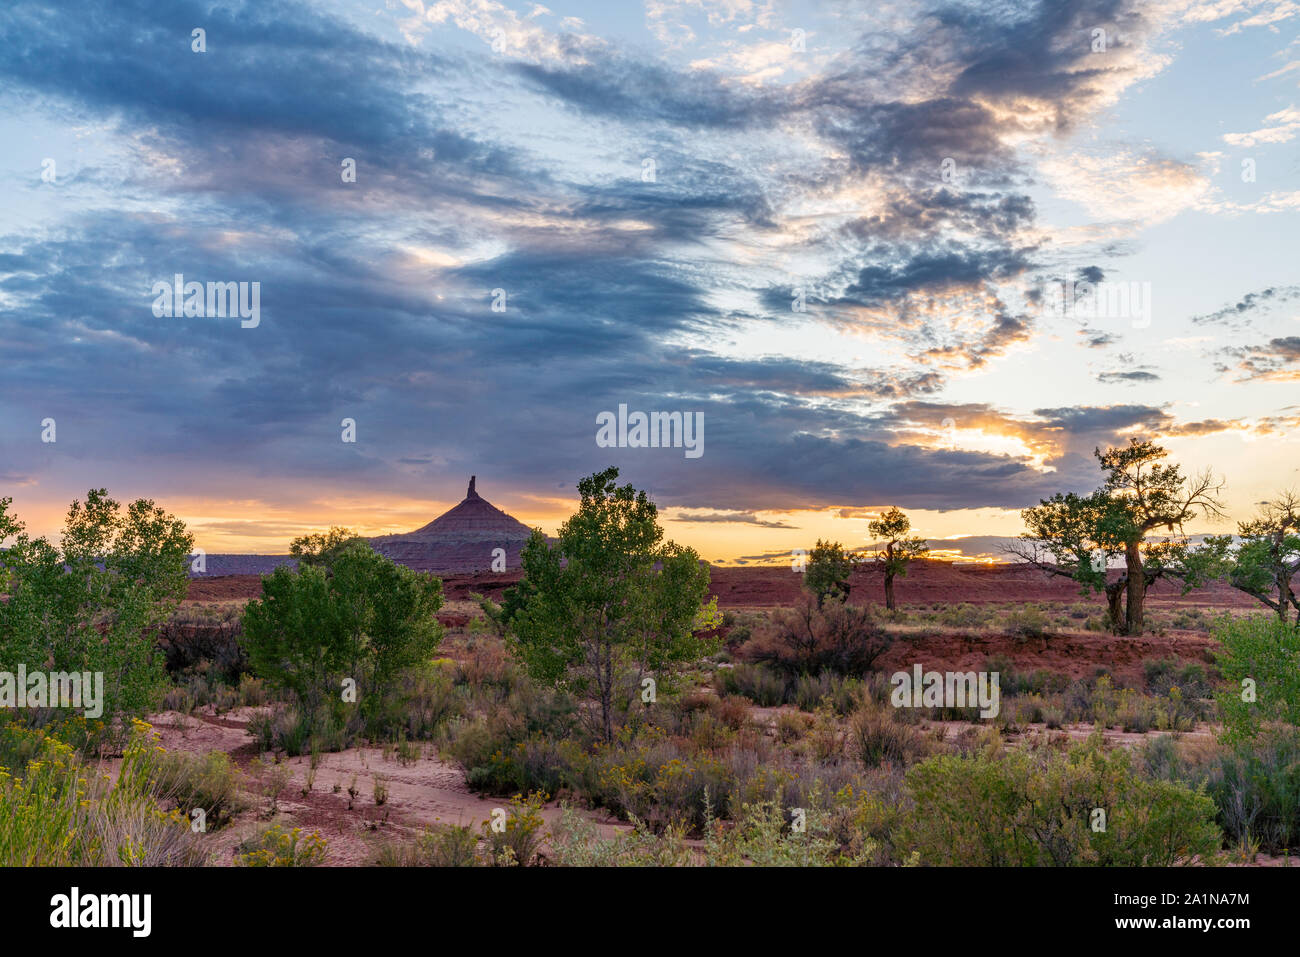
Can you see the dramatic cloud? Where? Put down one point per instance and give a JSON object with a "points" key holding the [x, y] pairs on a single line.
{"points": [[834, 248]]}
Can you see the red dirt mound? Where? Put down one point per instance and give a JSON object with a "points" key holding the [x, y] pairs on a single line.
{"points": [[1075, 655]]}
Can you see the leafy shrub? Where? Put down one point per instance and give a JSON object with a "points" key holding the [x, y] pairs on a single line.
{"points": [[1190, 678], [1036, 807], [964, 615], [536, 763], [1266, 651], [516, 743], [417, 703], [189, 781], [791, 726], [761, 836]]}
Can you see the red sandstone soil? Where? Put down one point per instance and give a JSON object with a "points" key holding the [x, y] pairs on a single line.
{"points": [[1076, 654], [422, 793], [928, 582]]}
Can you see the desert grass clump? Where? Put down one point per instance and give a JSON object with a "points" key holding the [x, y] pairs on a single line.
{"points": [[440, 846], [208, 782], [840, 692], [763, 835], [1028, 621], [576, 842], [965, 615], [791, 726], [877, 738], [758, 683], [1256, 787], [273, 779]]}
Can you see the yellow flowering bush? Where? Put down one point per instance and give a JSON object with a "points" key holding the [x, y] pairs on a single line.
{"points": [[54, 811], [276, 847]]}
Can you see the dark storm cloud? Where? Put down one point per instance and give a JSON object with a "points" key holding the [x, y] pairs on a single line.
{"points": [[436, 381], [275, 65]]}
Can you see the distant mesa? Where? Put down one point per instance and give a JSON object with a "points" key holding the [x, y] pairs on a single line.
{"points": [[460, 539]]}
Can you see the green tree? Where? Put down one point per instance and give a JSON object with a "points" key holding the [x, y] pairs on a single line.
{"points": [[1150, 496], [92, 602], [1141, 495], [1266, 652], [362, 617], [1268, 556], [827, 573], [322, 549], [899, 550], [610, 603]]}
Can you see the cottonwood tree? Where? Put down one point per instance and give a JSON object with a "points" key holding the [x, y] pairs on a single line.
{"points": [[322, 549], [1140, 495], [827, 572], [899, 550], [359, 616], [92, 602], [1268, 556], [610, 603]]}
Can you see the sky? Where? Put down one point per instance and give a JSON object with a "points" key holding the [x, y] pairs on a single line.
{"points": [[890, 254]]}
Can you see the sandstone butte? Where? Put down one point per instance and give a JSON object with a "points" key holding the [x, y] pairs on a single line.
{"points": [[462, 539]]}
